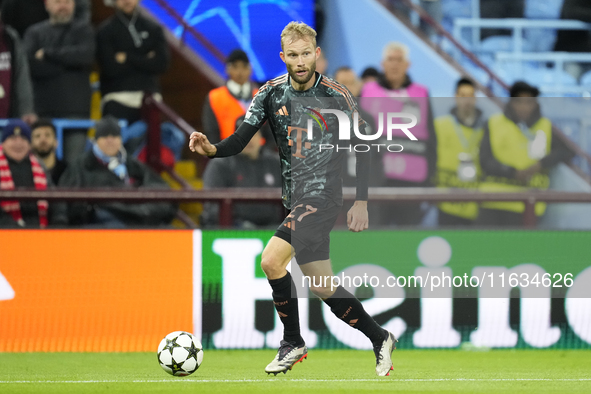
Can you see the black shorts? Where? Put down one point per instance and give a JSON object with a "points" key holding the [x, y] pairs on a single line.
{"points": [[307, 228]]}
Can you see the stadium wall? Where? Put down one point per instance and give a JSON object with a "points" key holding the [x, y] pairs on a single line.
{"points": [[109, 290]]}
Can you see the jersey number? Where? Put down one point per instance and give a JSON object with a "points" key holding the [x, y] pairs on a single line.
{"points": [[291, 224]]}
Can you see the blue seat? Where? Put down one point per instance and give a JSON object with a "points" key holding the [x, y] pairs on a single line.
{"points": [[586, 79], [502, 44], [456, 8], [540, 40], [543, 9], [511, 72], [550, 77]]}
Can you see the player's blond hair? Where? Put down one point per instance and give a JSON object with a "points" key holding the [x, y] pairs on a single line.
{"points": [[298, 30]]}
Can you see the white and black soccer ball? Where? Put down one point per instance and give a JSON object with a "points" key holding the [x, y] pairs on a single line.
{"points": [[180, 353]]}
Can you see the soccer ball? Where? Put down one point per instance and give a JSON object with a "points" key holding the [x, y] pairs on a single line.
{"points": [[180, 353]]}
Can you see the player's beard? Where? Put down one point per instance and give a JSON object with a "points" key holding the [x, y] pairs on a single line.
{"points": [[306, 78]]}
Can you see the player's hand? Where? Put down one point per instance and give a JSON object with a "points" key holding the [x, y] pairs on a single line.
{"points": [[199, 143], [357, 218]]}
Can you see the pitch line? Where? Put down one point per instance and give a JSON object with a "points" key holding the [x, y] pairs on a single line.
{"points": [[272, 379]]}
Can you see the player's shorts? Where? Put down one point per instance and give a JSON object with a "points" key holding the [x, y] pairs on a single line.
{"points": [[307, 228]]}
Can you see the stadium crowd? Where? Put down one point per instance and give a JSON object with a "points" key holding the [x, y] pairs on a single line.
{"points": [[48, 50]]}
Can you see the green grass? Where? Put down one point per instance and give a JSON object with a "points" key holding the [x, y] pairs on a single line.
{"points": [[511, 371]]}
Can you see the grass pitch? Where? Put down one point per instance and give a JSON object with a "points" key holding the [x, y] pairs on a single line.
{"points": [[451, 371]]}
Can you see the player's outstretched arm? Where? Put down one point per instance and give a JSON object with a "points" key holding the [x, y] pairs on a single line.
{"points": [[357, 217], [199, 143], [230, 146]]}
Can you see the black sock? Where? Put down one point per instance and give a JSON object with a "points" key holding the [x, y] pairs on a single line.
{"points": [[348, 308], [287, 308]]}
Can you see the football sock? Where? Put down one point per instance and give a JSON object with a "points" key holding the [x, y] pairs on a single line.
{"points": [[287, 308], [348, 308]]}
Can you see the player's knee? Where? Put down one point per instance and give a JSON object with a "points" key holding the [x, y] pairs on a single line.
{"points": [[271, 266]]}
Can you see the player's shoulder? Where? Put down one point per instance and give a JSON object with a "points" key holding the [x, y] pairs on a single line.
{"points": [[334, 89], [271, 85], [274, 83]]}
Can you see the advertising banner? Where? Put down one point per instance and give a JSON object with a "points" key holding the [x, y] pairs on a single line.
{"points": [[66, 290]]}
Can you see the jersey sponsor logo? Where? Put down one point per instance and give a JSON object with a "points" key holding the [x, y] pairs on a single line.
{"points": [[297, 134]]}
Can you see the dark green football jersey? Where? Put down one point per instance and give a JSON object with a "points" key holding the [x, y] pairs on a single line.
{"points": [[309, 167]]}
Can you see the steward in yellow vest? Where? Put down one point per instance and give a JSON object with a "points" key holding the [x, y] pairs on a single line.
{"points": [[458, 142], [518, 150]]}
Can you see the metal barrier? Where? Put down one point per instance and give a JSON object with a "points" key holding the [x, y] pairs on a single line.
{"points": [[516, 25], [227, 197]]}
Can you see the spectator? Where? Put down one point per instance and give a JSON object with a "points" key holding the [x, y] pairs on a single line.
{"points": [[369, 74], [226, 104], [20, 14], [493, 9], [458, 142], [575, 40], [415, 166], [517, 151], [346, 76], [44, 143], [322, 64], [132, 52], [61, 54], [16, 91], [107, 165], [20, 168], [255, 166]]}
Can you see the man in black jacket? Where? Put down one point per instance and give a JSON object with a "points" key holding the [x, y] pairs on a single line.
{"points": [[61, 53], [107, 165], [132, 53], [21, 14], [16, 91]]}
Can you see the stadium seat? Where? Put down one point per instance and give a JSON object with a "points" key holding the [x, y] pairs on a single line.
{"points": [[586, 79], [540, 40], [502, 44], [546, 9], [456, 8], [549, 77]]}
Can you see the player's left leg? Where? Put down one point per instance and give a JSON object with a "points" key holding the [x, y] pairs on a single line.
{"points": [[292, 349], [350, 310]]}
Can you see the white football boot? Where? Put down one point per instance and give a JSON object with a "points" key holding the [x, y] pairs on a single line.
{"points": [[287, 356], [384, 355]]}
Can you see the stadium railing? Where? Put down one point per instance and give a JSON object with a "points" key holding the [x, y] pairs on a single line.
{"points": [[516, 25], [227, 197]]}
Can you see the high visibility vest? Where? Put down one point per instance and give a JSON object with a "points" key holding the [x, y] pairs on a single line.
{"points": [[227, 109], [449, 147], [509, 146]]}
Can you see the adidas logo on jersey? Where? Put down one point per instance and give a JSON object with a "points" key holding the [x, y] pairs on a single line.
{"points": [[282, 111]]}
